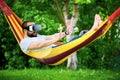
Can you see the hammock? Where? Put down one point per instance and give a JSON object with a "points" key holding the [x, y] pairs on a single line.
{"points": [[57, 55]]}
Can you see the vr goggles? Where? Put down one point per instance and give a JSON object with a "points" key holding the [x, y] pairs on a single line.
{"points": [[35, 27]]}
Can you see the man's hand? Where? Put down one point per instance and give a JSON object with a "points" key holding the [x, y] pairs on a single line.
{"points": [[60, 33], [69, 27]]}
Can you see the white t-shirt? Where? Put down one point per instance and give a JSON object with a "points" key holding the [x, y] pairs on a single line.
{"points": [[26, 42]]}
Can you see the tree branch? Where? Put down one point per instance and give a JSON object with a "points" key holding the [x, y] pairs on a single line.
{"points": [[59, 11], [75, 13], [66, 10]]}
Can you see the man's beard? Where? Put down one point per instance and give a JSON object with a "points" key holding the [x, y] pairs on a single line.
{"points": [[34, 34]]}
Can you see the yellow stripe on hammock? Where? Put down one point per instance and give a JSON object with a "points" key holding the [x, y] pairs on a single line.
{"points": [[13, 22]]}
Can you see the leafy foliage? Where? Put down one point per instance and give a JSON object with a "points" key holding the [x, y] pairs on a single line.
{"points": [[102, 53]]}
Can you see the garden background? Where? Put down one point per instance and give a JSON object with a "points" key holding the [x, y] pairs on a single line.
{"points": [[101, 56]]}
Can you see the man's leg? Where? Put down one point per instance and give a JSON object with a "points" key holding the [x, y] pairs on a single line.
{"points": [[97, 22]]}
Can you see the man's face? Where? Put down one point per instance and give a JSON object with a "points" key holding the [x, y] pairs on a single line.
{"points": [[31, 33]]}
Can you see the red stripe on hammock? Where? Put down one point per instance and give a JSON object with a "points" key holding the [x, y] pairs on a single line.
{"points": [[114, 16], [7, 11], [18, 39], [20, 23], [17, 29], [16, 18], [5, 8]]}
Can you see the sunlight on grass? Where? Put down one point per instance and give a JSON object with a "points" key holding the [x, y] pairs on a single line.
{"points": [[58, 74]]}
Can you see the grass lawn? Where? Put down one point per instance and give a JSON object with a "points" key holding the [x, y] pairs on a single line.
{"points": [[59, 74]]}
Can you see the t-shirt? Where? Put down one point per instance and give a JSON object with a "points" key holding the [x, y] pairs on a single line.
{"points": [[26, 42]]}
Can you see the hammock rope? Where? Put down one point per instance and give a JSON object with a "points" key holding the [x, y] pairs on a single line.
{"points": [[57, 55]]}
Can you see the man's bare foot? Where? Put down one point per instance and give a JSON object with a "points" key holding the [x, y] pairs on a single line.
{"points": [[97, 22]]}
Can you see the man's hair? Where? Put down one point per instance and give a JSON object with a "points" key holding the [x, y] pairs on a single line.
{"points": [[24, 24]]}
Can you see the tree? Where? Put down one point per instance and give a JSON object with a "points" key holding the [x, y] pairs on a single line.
{"points": [[71, 22], [72, 61]]}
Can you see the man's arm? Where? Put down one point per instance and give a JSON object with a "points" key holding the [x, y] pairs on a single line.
{"points": [[41, 44], [62, 35], [49, 41]]}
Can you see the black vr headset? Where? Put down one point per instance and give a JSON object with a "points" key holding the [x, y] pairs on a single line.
{"points": [[35, 27]]}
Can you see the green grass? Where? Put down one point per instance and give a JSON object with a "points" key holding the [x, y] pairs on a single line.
{"points": [[58, 74]]}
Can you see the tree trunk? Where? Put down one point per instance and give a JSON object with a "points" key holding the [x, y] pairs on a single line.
{"points": [[72, 61]]}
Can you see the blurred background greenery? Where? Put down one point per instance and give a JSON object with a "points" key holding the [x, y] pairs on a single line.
{"points": [[104, 53]]}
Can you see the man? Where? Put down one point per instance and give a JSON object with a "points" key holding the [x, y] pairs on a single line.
{"points": [[34, 41]]}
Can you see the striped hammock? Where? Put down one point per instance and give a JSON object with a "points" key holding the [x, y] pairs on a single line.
{"points": [[57, 55]]}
